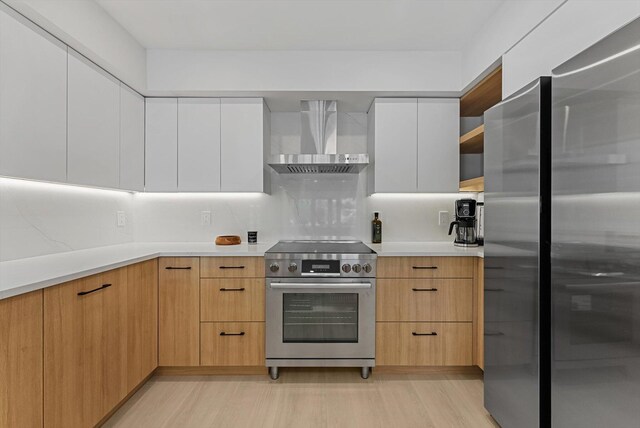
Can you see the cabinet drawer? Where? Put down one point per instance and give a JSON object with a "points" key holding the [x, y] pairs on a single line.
{"points": [[425, 267], [424, 344], [232, 267], [424, 300], [232, 344], [232, 299]]}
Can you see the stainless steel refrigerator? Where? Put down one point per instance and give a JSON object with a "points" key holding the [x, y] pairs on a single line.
{"points": [[562, 244]]}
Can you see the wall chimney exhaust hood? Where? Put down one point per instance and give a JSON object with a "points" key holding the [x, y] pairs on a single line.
{"points": [[319, 145]]}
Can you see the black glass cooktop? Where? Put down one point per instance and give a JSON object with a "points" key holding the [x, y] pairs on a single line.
{"points": [[321, 247]]}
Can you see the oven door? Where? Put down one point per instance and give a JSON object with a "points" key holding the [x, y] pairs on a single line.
{"points": [[313, 318]]}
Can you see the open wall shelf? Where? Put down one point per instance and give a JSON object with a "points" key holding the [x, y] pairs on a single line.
{"points": [[472, 185], [483, 96], [472, 141]]}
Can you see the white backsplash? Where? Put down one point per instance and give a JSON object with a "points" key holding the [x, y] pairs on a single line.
{"points": [[41, 218]]}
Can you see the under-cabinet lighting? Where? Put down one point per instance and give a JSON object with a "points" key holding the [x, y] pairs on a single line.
{"points": [[200, 195], [421, 195], [17, 183]]}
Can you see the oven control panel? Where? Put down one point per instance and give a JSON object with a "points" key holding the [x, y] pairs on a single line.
{"points": [[329, 268]]}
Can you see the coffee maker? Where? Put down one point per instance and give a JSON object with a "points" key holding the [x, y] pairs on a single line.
{"points": [[465, 223]]}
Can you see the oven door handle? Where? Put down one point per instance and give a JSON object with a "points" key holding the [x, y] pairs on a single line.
{"points": [[319, 285]]}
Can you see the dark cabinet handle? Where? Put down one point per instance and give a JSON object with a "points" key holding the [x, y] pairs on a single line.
{"points": [[224, 333], [494, 289], [492, 333], [231, 267], [424, 289], [425, 267], [102, 287], [232, 289], [433, 333], [178, 268]]}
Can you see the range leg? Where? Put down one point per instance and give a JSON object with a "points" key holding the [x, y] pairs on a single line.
{"points": [[365, 372], [273, 372]]}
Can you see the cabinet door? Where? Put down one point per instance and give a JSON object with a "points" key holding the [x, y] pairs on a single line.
{"points": [[142, 321], [395, 145], [178, 311], [438, 144], [21, 361], [161, 145], [242, 145], [33, 102], [199, 144], [131, 139], [84, 349], [94, 124]]}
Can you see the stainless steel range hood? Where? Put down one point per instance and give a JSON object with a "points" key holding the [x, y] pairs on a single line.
{"points": [[319, 145]]}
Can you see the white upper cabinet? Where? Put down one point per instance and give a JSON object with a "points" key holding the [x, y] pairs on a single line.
{"points": [[161, 145], [414, 145], [199, 144], [438, 144], [131, 139], [395, 141], [244, 137], [33, 102], [93, 144]]}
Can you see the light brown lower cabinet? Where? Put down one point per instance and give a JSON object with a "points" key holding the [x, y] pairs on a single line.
{"points": [[424, 344], [21, 361], [85, 349], [237, 299], [232, 343]]}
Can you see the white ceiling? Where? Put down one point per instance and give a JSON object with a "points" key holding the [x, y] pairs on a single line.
{"points": [[302, 24]]}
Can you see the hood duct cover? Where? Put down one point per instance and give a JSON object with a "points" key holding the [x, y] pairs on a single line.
{"points": [[318, 142]]}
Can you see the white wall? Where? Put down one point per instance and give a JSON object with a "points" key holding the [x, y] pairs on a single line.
{"points": [[85, 26], [301, 206], [510, 23], [199, 70], [575, 26], [41, 218]]}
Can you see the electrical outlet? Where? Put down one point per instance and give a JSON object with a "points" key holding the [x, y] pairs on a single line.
{"points": [[205, 218], [122, 218], [443, 218]]}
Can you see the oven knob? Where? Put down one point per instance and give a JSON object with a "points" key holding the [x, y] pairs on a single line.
{"points": [[274, 267], [357, 268], [346, 268], [366, 267], [293, 267]]}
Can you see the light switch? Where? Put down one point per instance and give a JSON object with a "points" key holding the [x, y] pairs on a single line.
{"points": [[122, 218], [443, 218], [205, 218]]}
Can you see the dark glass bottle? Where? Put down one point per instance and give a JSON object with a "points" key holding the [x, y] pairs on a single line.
{"points": [[376, 229]]}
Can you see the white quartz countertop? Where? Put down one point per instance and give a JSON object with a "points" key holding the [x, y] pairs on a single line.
{"points": [[30, 274], [435, 249], [34, 273]]}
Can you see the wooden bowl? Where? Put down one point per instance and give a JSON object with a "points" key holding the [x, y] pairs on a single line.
{"points": [[228, 240]]}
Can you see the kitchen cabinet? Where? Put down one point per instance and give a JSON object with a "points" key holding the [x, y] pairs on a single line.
{"points": [[131, 140], [161, 145], [85, 349], [236, 299], [178, 311], [21, 361], [232, 344], [93, 145], [33, 101], [413, 145], [425, 267], [245, 139], [142, 321], [438, 148], [199, 144], [232, 267]]}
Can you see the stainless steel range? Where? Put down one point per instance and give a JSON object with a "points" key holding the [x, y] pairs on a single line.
{"points": [[321, 305]]}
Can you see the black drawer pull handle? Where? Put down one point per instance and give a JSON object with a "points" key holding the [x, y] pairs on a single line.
{"points": [[232, 289], [425, 267], [102, 287], [491, 333], [224, 333], [424, 289], [178, 268], [433, 333], [494, 289], [231, 267]]}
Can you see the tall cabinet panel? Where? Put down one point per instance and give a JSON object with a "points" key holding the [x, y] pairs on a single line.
{"points": [[199, 144], [131, 139], [93, 124], [438, 151], [33, 102], [242, 145], [395, 141], [161, 145]]}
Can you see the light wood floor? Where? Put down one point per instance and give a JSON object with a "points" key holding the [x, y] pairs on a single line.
{"points": [[308, 398]]}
